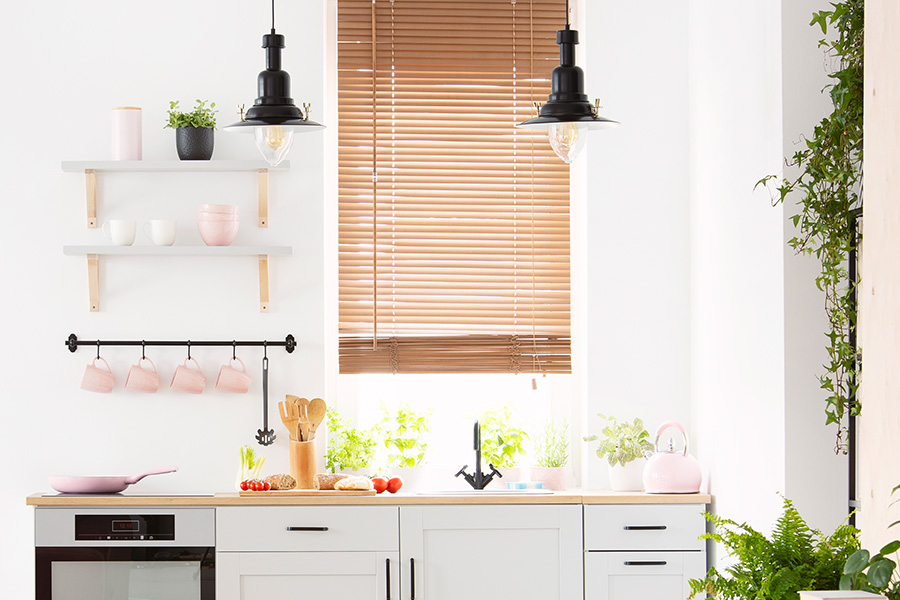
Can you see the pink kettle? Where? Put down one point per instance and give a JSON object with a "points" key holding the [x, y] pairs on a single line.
{"points": [[670, 471]]}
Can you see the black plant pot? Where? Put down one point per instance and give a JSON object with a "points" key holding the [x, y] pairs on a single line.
{"points": [[194, 143]]}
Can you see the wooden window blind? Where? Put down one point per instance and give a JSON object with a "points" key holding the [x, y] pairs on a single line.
{"points": [[453, 223]]}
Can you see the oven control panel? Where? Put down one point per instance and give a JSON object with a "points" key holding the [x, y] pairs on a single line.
{"points": [[100, 527]]}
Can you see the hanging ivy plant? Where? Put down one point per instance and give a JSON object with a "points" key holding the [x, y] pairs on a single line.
{"points": [[830, 188]]}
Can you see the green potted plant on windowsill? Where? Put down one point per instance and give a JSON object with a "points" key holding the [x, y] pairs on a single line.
{"points": [[552, 456], [349, 449], [624, 446], [502, 443], [194, 138], [404, 434]]}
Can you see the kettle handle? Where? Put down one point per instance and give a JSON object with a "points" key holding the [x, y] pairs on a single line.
{"points": [[676, 425]]}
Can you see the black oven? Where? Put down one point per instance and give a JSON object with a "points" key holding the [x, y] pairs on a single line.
{"points": [[125, 554]]}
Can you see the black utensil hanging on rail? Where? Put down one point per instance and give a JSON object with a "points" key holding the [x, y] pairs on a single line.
{"points": [[265, 436]]}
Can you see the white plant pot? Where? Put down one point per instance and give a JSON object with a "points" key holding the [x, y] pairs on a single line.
{"points": [[552, 478], [628, 478]]}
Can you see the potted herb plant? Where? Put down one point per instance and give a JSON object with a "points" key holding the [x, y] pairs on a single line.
{"points": [[623, 445], [552, 455], [349, 449], [502, 442], [193, 130], [403, 434]]}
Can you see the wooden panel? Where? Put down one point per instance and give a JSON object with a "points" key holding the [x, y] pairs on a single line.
{"points": [[90, 188]]}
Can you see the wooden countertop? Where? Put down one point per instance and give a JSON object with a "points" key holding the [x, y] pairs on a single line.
{"points": [[589, 497]]}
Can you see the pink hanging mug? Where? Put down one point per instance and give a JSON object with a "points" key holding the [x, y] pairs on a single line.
{"points": [[96, 379], [233, 380], [187, 379], [140, 379]]}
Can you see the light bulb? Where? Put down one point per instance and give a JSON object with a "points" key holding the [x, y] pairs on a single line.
{"points": [[274, 142], [567, 140]]}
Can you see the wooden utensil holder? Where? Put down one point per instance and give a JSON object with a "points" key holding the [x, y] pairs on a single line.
{"points": [[303, 464]]}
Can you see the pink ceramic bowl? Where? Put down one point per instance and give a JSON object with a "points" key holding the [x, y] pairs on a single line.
{"points": [[205, 216], [218, 208], [218, 233]]}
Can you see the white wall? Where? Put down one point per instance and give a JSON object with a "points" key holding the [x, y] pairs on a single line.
{"points": [[64, 66], [636, 179], [737, 319]]}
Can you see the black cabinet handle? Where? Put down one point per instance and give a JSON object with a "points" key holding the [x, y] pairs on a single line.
{"points": [[387, 594], [412, 579], [307, 529], [645, 563], [644, 527]]}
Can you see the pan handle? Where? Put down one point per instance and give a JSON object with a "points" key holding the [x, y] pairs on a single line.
{"points": [[159, 471]]}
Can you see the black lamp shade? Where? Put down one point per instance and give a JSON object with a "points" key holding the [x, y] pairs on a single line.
{"points": [[274, 106], [567, 102]]}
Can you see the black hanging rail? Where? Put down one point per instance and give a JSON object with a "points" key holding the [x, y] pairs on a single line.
{"points": [[72, 342]]}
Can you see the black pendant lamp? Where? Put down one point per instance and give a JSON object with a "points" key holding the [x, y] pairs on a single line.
{"points": [[567, 114], [274, 118]]}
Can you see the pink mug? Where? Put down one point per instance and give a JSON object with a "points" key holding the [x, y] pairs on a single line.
{"points": [[96, 379], [140, 379], [187, 379], [232, 379]]}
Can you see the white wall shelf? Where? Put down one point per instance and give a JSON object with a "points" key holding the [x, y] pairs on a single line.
{"points": [[93, 254], [92, 167]]}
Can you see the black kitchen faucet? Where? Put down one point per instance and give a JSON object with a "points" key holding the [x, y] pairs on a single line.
{"points": [[478, 480]]}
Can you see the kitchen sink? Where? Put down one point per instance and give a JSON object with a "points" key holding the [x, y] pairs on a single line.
{"points": [[499, 492]]}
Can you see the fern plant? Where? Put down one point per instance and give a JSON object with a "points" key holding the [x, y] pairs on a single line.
{"points": [[795, 558]]}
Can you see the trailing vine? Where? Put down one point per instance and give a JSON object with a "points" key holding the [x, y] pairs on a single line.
{"points": [[830, 188]]}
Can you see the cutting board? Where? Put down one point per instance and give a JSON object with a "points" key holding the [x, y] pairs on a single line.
{"points": [[320, 493]]}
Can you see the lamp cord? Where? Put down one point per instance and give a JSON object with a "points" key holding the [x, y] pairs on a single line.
{"points": [[567, 13], [273, 13]]}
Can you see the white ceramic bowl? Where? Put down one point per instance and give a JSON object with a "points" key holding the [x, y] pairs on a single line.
{"points": [[218, 208], [218, 233]]}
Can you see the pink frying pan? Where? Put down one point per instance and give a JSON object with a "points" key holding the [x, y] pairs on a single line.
{"points": [[101, 485]]}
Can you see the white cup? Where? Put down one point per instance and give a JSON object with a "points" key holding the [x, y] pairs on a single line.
{"points": [[120, 231], [160, 232]]}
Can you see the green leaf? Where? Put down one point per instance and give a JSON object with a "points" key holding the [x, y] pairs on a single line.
{"points": [[890, 548], [857, 562], [880, 573]]}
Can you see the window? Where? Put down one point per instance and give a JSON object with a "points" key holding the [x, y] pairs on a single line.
{"points": [[453, 224]]}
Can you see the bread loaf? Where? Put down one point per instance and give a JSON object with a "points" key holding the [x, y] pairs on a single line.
{"points": [[326, 481], [354, 483], [281, 481]]}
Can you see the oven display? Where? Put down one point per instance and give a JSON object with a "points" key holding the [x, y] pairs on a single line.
{"points": [[127, 526], [124, 527]]}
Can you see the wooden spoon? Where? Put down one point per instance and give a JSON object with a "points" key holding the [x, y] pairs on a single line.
{"points": [[316, 414]]}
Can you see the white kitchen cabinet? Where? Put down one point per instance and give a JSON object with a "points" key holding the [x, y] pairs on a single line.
{"points": [[636, 552], [488, 552], [334, 552]]}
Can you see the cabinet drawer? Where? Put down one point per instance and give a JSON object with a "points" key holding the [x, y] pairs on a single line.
{"points": [[308, 528], [644, 527], [640, 575]]}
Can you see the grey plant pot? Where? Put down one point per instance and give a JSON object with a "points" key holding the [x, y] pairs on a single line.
{"points": [[194, 143]]}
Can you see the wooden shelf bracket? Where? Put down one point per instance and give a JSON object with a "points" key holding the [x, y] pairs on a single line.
{"points": [[93, 264], [263, 283], [90, 187], [263, 181]]}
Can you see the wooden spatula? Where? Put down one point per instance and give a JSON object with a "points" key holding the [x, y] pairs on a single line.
{"points": [[290, 415], [303, 419], [316, 413]]}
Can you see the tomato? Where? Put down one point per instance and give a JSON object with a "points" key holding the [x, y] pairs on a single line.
{"points": [[254, 485], [380, 484], [245, 486], [266, 486], [394, 484]]}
